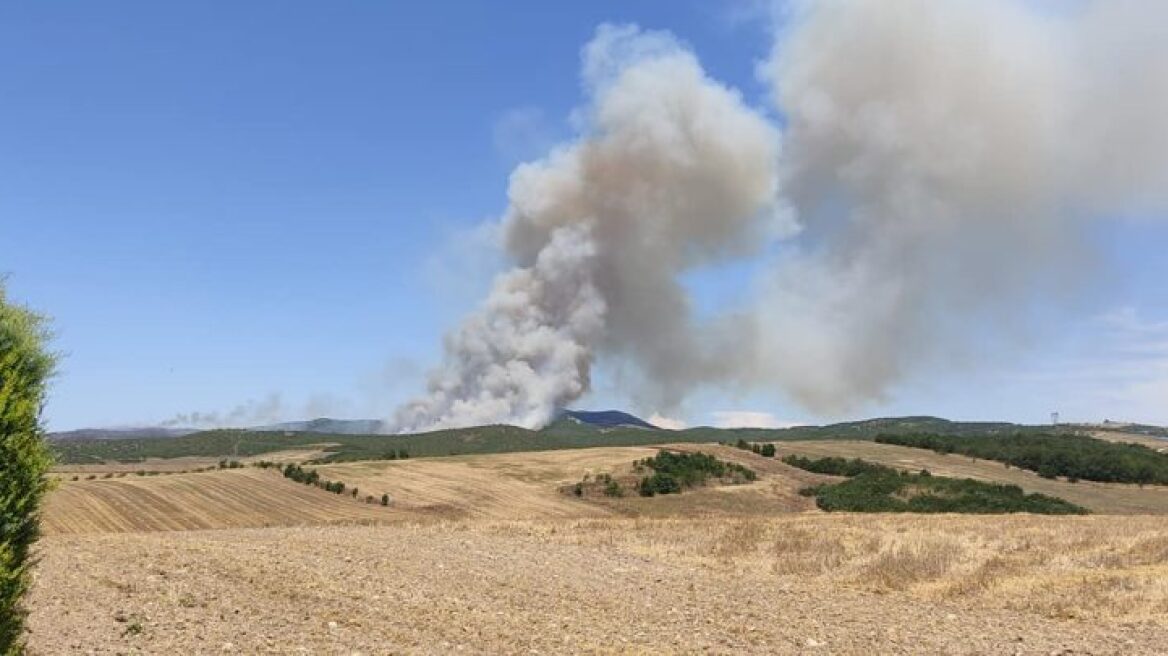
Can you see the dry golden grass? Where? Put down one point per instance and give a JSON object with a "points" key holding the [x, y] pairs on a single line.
{"points": [[796, 584], [1095, 568], [1105, 498], [1156, 444], [220, 499]]}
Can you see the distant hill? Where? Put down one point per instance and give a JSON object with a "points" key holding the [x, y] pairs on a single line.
{"points": [[149, 432], [327, 425], [604, 419]]}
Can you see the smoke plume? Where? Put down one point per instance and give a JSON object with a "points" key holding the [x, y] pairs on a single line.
{"points": [[936, 165]]}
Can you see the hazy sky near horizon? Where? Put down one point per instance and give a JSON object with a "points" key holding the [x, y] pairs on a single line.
{"points": [[250, 212]]}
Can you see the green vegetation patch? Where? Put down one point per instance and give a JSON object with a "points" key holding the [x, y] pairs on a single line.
{"points": [[875, 488], [1073, 456], [673, 471]]}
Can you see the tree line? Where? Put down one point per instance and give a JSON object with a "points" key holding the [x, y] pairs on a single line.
{"points": [[875, 488], [1074, 457]]}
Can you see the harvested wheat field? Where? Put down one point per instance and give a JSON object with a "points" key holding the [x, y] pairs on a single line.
{"points": [[528, 485], [175, 502], [811, 583], [1106, 498], [492, 554]]}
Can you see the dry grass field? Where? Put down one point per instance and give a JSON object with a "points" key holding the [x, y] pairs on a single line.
{"points": [[1106, 498], [489, 554], [801, 583]]}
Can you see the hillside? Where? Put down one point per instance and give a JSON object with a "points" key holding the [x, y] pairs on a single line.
{"points": [[494, 439]]}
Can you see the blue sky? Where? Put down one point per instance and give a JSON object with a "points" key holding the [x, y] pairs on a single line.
{"points": [[272, 206]]}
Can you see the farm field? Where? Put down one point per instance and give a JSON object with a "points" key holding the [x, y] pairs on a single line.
{"points": [[490, 553], [501, 486], [793, 584], [207, 500], [1106, 498]]}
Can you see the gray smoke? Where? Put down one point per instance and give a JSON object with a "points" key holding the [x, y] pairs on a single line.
{"points": [[938, 163]]}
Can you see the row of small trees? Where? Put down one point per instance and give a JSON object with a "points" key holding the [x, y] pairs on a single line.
{"points": [[764, 450], [312, 477]]}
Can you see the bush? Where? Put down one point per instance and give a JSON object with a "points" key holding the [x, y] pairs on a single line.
{"points": [[385, 499], [768, 450], [658, 484], [25, 367]]}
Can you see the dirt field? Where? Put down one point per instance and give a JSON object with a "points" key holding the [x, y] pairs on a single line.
{"points": [[1106, 498], [811, 583]]}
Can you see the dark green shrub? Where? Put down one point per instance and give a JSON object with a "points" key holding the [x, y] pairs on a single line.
{"points": [[836, 466], [25, 368], [658, 484], [768, 450], [385, 499]]}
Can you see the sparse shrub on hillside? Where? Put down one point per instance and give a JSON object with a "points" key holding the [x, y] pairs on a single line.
{"points": [[25, 367], [742, 444], [768, 451], [755, 448], [578, 489], [385, 499], [613, 489]]}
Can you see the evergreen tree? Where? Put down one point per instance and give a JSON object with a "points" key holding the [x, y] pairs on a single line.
{"points": [[25, 367]]}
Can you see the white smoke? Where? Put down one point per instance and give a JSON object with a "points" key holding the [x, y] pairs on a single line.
{"points": [[940, 159]]}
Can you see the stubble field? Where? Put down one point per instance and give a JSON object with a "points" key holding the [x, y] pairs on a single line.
{"points": [[488, 554]]}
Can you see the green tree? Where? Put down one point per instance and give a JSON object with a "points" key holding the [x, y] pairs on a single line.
{"points": [[25, 368]]}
